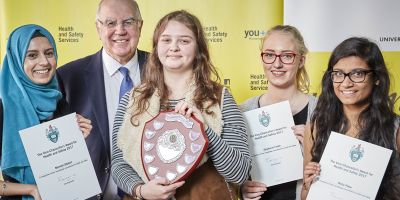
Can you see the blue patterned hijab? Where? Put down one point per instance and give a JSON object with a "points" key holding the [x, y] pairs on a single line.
{"points": [[25, 103]]}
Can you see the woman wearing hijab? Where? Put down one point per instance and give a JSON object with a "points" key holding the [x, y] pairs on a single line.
{"points": [[29, 96]]}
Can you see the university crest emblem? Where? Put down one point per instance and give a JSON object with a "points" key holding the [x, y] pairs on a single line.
{"points": [[356, 153], [52, 133], [264, 118]]}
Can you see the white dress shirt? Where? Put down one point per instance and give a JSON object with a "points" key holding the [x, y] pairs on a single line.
{"points": [[112, 82]]}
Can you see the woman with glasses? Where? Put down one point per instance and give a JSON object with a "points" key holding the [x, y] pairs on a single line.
{"points": [[283, 55], [354, 101]]}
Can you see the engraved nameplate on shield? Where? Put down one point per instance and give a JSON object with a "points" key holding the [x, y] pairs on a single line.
{"points": [[172, 146]]}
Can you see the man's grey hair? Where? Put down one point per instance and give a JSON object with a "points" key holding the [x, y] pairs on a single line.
{"points": [[133, 3]]}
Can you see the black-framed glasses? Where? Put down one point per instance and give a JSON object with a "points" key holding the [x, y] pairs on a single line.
{"points": [[285, 58], [357, 75], [127, 23]]}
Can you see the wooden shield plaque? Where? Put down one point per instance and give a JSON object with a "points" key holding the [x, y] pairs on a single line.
{"points": [[172, 146]]}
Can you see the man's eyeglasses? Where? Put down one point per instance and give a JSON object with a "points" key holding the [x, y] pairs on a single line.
{"points": [[127, 23], [357, 75], [285, 58]]}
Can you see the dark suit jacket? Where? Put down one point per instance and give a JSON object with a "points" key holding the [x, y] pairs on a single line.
{"points": [[82, 84]]}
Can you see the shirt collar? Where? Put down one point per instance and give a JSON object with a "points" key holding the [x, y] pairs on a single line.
{"points": [[112, 65]]}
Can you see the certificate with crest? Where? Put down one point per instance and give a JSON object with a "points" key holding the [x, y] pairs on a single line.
{"points": [[276, 152], [60, 160], [172, 146], [350, 169]]}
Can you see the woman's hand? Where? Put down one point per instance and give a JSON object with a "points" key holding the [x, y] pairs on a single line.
{"points": [[298, 131], [85, 125], [311, 171], [253, 190], [186, 109], [159, 188], [35, 193]]}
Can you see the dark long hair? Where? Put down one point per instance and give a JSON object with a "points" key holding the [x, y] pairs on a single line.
{"points": [[205, 74], [376, 121]]}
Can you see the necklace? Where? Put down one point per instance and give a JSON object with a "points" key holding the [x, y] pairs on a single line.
{"points": [[176, 95], [297, 100]]}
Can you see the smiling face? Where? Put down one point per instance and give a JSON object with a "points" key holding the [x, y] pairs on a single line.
{"points": [[176, 47], [120, 42], [349, 93], [40, 61], [281, 75]]}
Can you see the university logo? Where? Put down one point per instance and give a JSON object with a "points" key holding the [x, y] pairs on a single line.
{"points": [[264, 119], [52, 133], [356, 153]]}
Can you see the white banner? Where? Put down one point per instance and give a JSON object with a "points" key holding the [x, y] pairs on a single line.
{"points": [[326, 23]]}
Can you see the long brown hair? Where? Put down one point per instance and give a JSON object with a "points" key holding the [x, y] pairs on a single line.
{"points": [[205, 75]]}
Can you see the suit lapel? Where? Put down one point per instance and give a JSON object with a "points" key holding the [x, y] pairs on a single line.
{"points": [[97, 97], [142, 58]]}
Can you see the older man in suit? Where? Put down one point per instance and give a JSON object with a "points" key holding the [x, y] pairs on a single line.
{"points": [[93, 85]]}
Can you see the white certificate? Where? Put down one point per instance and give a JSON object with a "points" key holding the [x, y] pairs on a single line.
{"points": [[350, 169], [276, 152], [60, 160]]}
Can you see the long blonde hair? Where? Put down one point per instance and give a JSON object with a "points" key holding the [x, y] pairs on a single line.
{"points": [[302, 79]]}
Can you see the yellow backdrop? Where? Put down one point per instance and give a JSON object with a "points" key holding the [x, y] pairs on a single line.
{"points": [[233, 28]]}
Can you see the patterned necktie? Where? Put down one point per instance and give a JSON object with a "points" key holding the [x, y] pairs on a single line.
{"points": [[126, 84]]}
